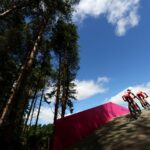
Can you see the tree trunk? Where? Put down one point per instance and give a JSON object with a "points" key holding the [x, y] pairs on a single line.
{"points": [[63, 107], [65, 77], [34, 96], [11, 10], [22, 105], [65, 95], [22, 77], [32, 112], [8, 120], [28, 115], [56, 104], [37, 118]]}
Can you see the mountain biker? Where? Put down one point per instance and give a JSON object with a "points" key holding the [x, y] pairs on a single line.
{"points": [[142, 97], [129, 97]]}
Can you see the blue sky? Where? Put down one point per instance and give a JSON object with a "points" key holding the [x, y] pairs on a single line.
{"points": [[122, 58], [114, 50]]}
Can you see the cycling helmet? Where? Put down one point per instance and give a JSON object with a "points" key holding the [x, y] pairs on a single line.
{"points": [[128, 90]]}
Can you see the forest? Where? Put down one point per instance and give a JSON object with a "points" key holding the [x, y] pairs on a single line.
{"points": [[38, 51]]}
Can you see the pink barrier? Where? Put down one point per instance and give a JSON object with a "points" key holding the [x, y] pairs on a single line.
{"points": [[71, 129]]}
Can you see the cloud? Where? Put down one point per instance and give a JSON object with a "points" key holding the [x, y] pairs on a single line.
{"points": [[89, 88], [85, 89], [123, 14], [118, 97], [103, 79], [46, 115]]}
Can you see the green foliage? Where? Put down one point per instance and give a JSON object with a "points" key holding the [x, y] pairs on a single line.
{"points": [[22, 23], [64, 43], [36, 139], [12, 53]]}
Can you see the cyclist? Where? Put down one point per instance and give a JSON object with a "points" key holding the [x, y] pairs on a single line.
{"points": [[129, 97], [142, 98]]}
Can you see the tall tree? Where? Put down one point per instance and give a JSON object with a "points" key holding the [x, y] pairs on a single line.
{"points": [[12, 53], [22, 31], [42, 18], [26, 68], [10, 7], [64, 44], [39, 108]]}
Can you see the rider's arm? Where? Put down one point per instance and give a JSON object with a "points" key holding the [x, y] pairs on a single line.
{"points": [[134, 95], [145, 94], [123, 98]]}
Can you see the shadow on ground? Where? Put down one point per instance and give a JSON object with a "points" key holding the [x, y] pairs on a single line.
{"points": [[120, 134]]}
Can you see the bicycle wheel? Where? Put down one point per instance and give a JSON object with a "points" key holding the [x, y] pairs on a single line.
{"points": [[137, 108], [133, 111], [147, 105]]}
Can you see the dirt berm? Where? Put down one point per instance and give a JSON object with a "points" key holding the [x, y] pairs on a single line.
{"points": [[120, 134]]}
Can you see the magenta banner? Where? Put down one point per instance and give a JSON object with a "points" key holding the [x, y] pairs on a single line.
{"points": [[73, 128]]}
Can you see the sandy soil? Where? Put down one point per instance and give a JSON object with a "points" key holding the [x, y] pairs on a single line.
{"points": [[120, 134]]}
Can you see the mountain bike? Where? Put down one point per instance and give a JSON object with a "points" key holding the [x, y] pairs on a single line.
{"points": [[134, 109], [144, 103]]}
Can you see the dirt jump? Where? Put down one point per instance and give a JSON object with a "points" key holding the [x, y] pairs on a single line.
{"points": [[123, 133]]}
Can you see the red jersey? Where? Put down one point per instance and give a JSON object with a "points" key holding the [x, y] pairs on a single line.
{"points": [[140, 94], [127, 96]]}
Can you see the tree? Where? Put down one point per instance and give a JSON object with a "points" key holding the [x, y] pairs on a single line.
{"points": [[12, 53], [64, 44], [39, 138], [40, 22], [17, 5], [24, 30]]}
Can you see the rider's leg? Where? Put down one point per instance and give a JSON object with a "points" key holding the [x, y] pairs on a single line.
{"points": [[146, 104], [142, 103], [131, 111]]}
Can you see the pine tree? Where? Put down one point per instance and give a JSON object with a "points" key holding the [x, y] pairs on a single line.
{"points": [[39, 21], [24, 31]]}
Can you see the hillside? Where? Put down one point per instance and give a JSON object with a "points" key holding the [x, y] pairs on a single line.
{"points": [[120, 134]]}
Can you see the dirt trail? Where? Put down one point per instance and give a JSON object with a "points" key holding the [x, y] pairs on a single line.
{"points": [[120, 134]]}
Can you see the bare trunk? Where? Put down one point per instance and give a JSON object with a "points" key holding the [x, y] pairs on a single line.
{"points": [[56, 104], [28, 115], [8, 11], [63, 108], [11, 10], [58, 93], [32, 112], [34, 96], [22, 105], [64, 74], [65, 98], [37, 118], [63, 89]]}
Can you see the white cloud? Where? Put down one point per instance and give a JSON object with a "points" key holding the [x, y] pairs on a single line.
{"points": [[89, 88], [46, 115], [85, 89], [103, 79], [118, 97], [121, 13]]}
